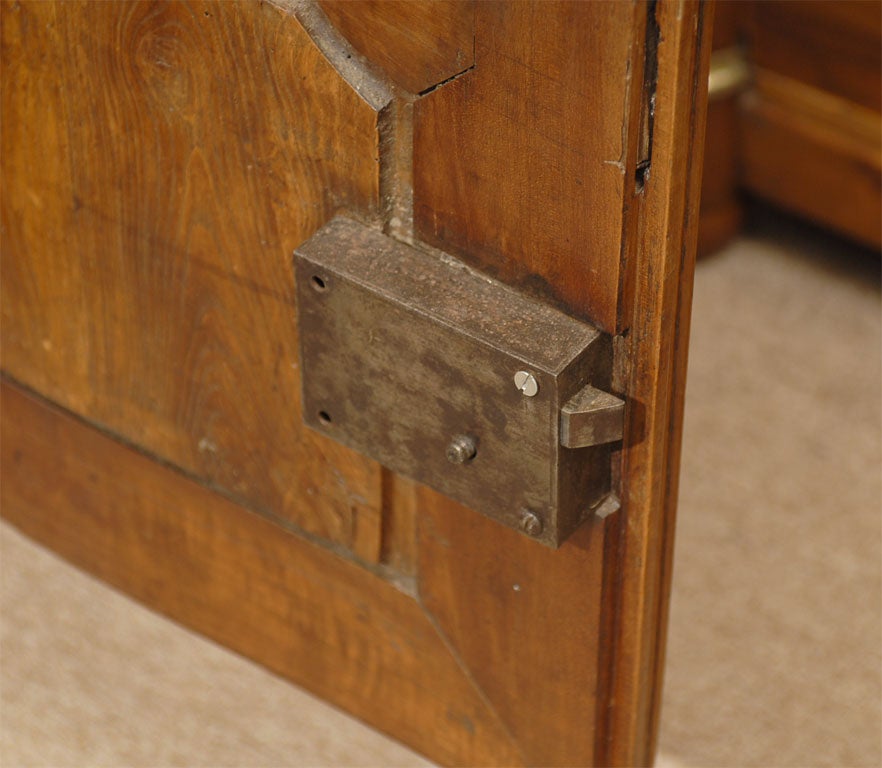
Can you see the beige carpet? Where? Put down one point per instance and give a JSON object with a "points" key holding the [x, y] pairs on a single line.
{"points": [[91, 679], [775, 641], [775, 636]]}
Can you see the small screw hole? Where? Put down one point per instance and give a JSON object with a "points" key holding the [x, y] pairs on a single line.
{"points": [[324, 417], [318, 283]]}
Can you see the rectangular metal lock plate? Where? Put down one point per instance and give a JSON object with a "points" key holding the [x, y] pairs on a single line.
{"points": [[455, 380]]}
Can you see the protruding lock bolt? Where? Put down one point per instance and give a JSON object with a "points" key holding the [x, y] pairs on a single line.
{"points": [[526, 383], [461, 449], [530, 523]]}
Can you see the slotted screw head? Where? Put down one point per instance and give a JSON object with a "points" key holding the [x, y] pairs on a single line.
{"points": [[461, 449], [526, 383], [530, 523]]}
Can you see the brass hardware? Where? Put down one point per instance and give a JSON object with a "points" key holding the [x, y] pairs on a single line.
{"points": [[408, 357], [729, 73]]}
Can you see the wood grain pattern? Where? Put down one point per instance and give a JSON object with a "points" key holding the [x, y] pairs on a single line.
{"points": [[416, 43], [562, 212], [537, 198], [301, 611], [147, 230], [536, 193], [544, 164], [524, 622], [653, 370]]}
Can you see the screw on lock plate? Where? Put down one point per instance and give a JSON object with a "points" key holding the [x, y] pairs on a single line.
{"points": [[441, 345]]}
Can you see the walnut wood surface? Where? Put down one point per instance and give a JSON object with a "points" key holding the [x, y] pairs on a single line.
{"points": [[148, 225], [525, 623], [214, 566], [536, 195], [416, 43], [657, 309], [163, 290], [528, 202]]}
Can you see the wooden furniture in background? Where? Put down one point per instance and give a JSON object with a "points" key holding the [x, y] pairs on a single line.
{"points": [[161, 161], [804, 132]]}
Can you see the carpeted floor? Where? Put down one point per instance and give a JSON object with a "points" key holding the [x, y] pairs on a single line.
{"points": [[775, 642], [775, 639]]}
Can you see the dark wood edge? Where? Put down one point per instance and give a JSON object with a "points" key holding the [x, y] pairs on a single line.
{"points": [[656, 312]]}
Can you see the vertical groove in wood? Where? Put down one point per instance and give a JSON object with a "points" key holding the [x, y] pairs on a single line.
{"points": [[655, 365]]}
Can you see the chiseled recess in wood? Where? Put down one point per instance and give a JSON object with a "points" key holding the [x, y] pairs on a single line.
{"points": [[519, 165], [298, 609], [394, 108], [355, 69], [418, 43], [148, 224], [397, 545], [654, 354], [396, 168], [399, 512]]}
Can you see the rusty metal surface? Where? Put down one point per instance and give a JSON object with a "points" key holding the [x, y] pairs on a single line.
{"points": [[411, 358]]}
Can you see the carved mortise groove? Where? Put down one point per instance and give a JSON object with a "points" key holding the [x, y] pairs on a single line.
{"points": [[455, 380]]}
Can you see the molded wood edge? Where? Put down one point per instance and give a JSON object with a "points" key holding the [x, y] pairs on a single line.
{"points": [[362, 76], [211, 565], [815, 154], [658, 308]]}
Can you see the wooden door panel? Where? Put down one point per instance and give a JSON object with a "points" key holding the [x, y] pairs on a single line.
{"points": [[525, 623], [418, 44], [298, 609], [600, 219], [541, 206], [157, 211], [148, 220]]}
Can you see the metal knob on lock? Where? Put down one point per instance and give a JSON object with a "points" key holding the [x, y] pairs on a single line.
{"points": [[462, 449], [518, 410], [530, 523]]}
